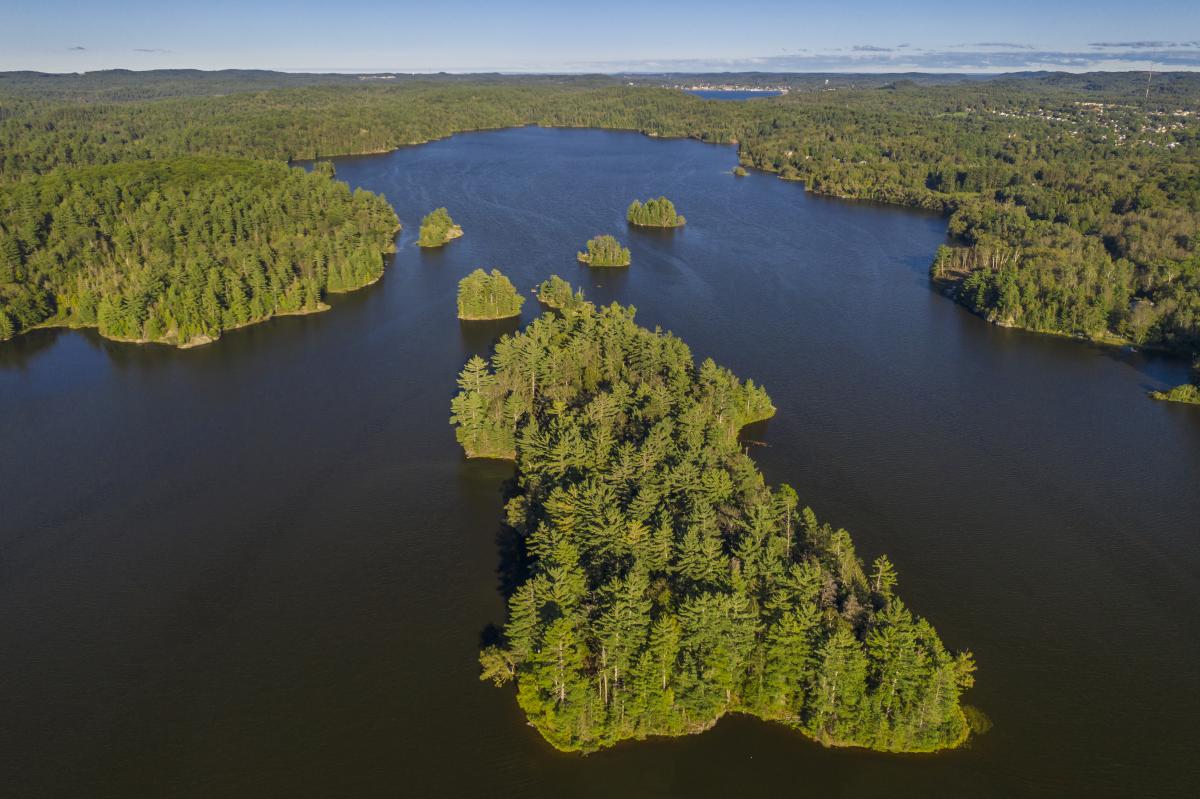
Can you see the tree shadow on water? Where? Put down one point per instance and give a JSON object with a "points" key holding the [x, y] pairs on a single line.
{"points": [[479, 336], [18, 352], [512, 566]]}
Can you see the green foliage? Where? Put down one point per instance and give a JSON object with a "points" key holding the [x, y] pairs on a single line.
{"points": [[654, 213], [604, 251], [437, 228], [667, 583], [179, 250], [740, 171], [1085, 189], [484, 296], [556, 293], [977, 720], [1188, 392]]}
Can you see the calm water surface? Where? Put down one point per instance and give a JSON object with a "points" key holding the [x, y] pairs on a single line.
{"points": [[731, 94], [261, 568]]}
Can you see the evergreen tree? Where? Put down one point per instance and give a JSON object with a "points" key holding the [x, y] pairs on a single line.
{"points": [[604, 251], [488, 296], [158, 251], [667, 584], [654, 213], [437, 228]]}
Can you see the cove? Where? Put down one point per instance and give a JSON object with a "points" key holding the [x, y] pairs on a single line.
{"points": [[264, 566]]}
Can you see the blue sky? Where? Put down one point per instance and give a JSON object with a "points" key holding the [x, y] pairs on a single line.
{"points": [[603, 35]]}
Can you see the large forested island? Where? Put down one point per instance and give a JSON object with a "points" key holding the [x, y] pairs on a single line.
{"points": [[658, 212], [177, 251], [488, 296], [1075, 199], [604, 250], [666, 583], [437, 228]]}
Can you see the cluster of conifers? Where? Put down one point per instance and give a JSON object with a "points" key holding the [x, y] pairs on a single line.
{"points": [[177, 251], [664, 584]]}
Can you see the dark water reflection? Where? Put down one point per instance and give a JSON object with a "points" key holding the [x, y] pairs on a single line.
{"points": [[263, 567]]}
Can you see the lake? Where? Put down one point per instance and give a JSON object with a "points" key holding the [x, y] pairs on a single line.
{"points": [[263, 567], [733, 94]]}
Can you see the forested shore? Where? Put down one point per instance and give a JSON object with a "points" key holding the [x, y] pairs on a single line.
{"points": [[177, 251], [1074, 200]]}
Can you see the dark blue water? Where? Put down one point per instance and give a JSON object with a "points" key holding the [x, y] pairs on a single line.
{"points": [[731, 94], [261, 568]]}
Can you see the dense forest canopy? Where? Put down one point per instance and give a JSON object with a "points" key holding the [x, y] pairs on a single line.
{"points": [[437, 228], [604, 250], [178, 250], [488, 296], [664, 583], [658, 212], [1075, 198]]}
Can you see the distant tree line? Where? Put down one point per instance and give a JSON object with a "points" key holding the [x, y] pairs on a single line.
{"points": [[1075, 200]]}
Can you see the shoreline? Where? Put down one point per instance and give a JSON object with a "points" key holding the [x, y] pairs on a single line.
{"points": [[586, 260], [656, 227], [195, 341], [699, 728], [453, 233], [487, 318], [947, 287]]}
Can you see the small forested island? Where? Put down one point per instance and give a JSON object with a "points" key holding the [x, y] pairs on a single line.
{"points": [[178, 250], [484, 296], [604, 251], [437, 228], [556, 293], [1188, 393], [654, 213], [667, 584], [740, 171]]}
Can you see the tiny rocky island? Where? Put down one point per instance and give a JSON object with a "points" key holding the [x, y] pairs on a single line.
{"points": [[604, 251], [488, 296], [437, 228], [654, 213]]}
